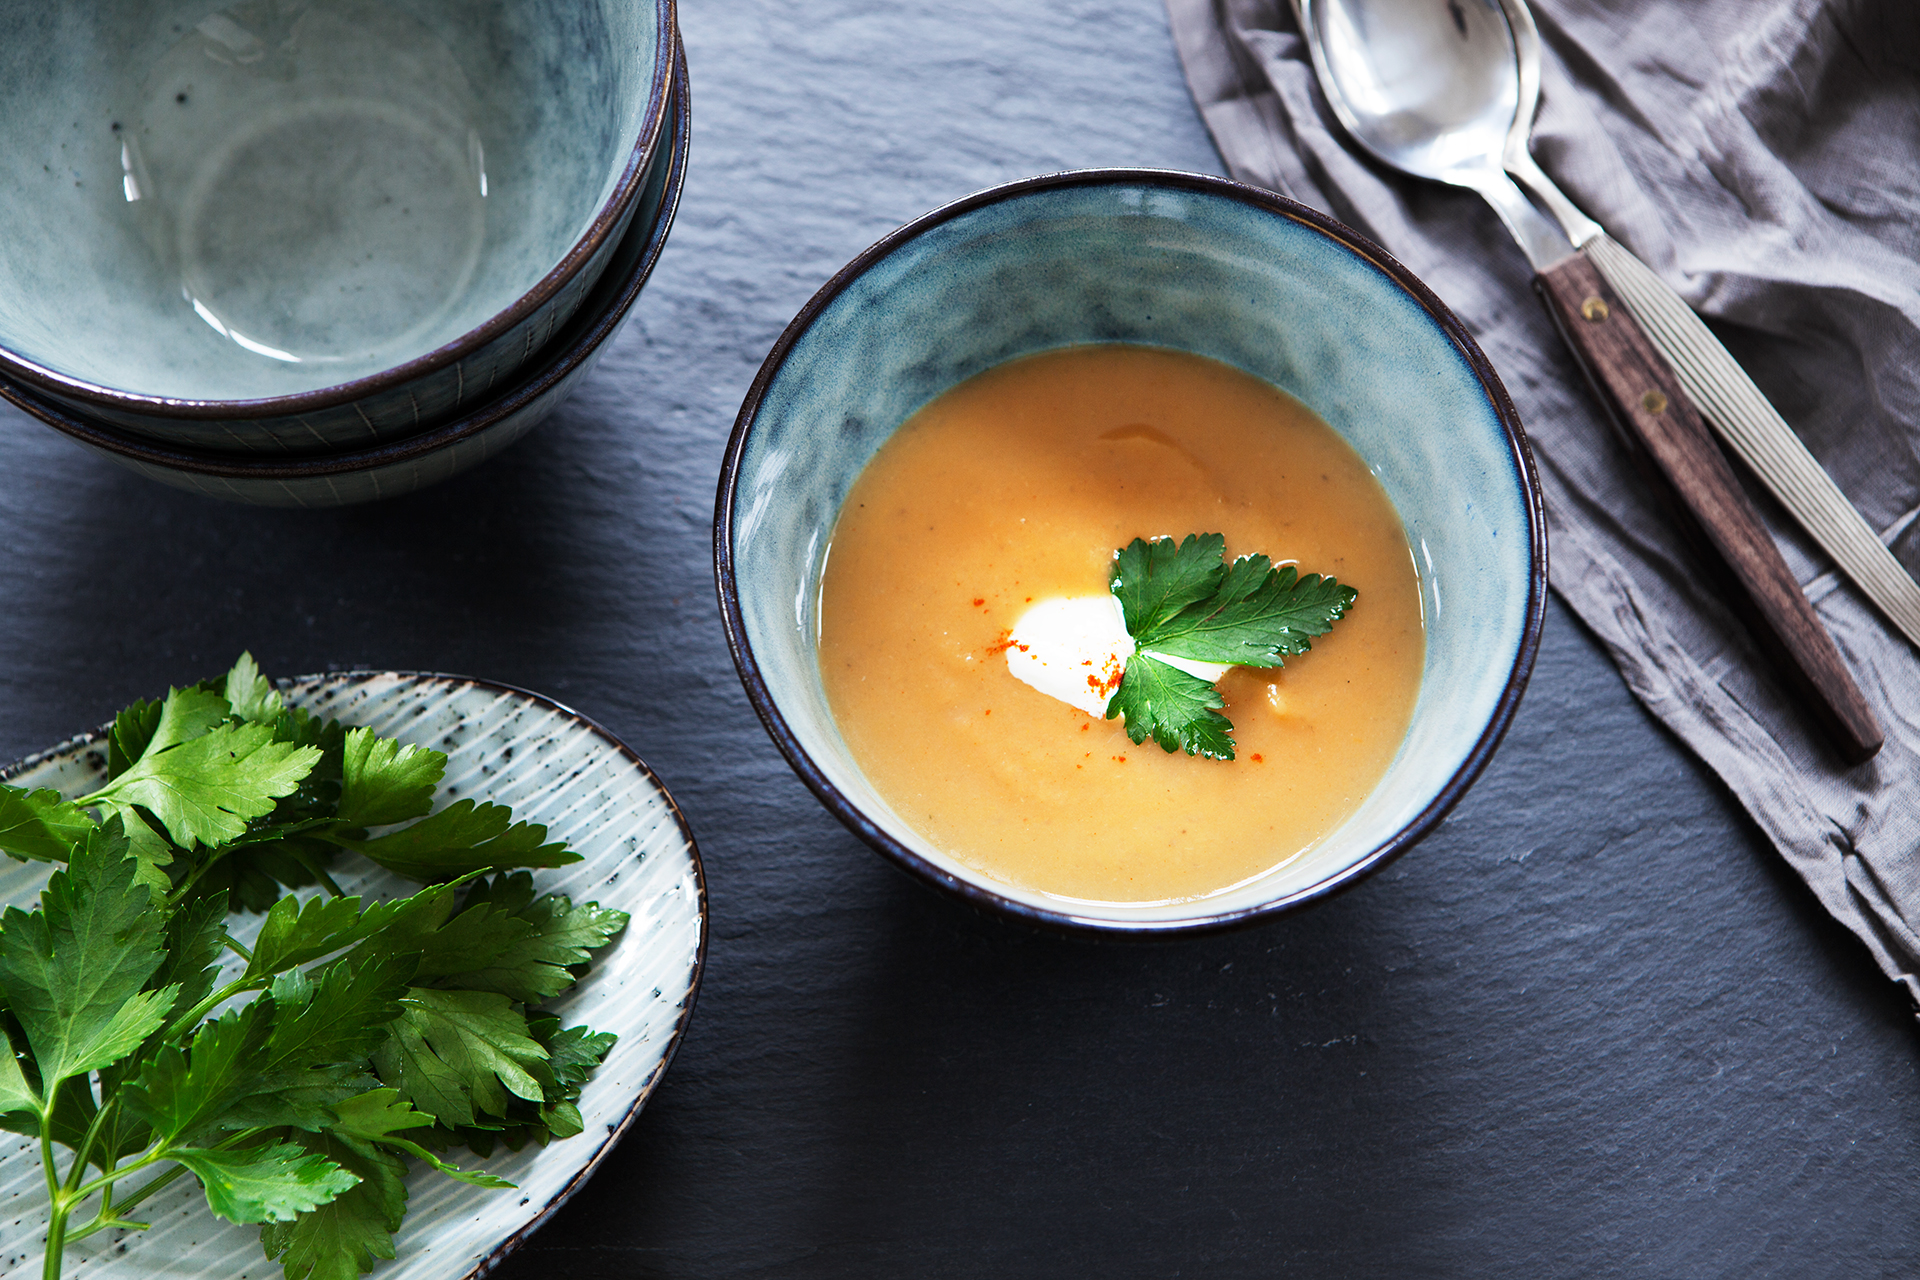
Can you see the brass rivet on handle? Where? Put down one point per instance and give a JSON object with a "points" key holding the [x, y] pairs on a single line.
{"points": [[1594, 309], [1653, 402]]}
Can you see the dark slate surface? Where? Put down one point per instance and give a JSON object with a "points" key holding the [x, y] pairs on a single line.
{"points": [[1590, 1027]]}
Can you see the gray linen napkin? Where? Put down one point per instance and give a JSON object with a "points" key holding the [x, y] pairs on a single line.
{"points": [[1763, 156]]}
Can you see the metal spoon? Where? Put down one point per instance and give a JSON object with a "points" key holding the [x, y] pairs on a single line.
{"points": [[1445, 89]]}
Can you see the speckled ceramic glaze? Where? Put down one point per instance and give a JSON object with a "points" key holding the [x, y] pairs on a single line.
{"points": [[386, 471], [283, 226], [1183, 261], [553, 766]]}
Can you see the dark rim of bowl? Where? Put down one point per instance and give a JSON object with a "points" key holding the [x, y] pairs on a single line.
{"points": [[1065, 921], [666, 47], [603, 311], [679, 1034]]}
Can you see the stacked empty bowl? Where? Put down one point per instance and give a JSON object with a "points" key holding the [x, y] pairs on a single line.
{"points": [[313, 252]]}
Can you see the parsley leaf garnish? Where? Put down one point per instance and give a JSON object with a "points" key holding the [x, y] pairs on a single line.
{"points": [[1181, 600], [1180, 711]]}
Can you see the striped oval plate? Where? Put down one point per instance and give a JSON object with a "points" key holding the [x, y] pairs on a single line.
{"points": [[553, 766]]}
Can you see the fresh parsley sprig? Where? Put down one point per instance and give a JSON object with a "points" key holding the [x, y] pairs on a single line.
{"points": [[353, 1035], [1182, 600]]}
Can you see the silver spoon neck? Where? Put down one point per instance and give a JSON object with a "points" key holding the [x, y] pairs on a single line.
{"points": [[1538, 238], [1579, 227]]}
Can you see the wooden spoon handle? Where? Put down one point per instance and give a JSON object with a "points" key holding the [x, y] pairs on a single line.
{"points": [[1662, 427]]}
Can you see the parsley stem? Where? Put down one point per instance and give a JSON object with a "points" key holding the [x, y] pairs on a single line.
{"points": [[152, 1155], [62, 1201], [140, 1193], [305, 859], [46, 1151], [193, 877], [192, 1016], [104, 1221], [86, 1143], [56, 1242]]}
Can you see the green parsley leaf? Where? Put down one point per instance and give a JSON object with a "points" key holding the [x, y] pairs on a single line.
{"points": [[1156, 581], [15, 1093], [184, 1091], [527, 954], [220, 795], [1180, 711], [377, 1113], [206, 788], [296, 932], [318, 794], [185, 714], [151, 850], [377, 1116], [73, 971], [286, 1060], [132, 731], [344, 1237], [250, 694], [573, 1053], [463, 838], [273, 1183], [1181, 601], [40, 825], [339, 1018], [196, 937], [384, 782], [457, 1053], [301, 1100], [1259, 615]]}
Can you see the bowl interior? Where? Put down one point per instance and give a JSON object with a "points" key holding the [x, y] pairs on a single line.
{"points": [[233, 201], [1189, 264]]}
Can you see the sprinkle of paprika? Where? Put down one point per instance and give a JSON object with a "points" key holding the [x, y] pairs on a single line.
{"points": [[1104, 682]]}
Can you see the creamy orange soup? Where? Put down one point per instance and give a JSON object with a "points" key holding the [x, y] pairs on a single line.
{"points": [[1018, 485]]}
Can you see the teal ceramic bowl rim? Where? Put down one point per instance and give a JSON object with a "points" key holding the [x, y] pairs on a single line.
{"points": [[980, 895], [666, 54], [605, 307]]}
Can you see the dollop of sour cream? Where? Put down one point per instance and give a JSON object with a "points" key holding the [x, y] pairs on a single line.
{"points": [[1075, 648]]}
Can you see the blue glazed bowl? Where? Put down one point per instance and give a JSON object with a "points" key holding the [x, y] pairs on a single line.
{"points": [[1174, 260], [390, 470], [283, 227]]}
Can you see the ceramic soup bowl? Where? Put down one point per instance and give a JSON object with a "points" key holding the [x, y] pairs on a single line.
{"points": [[276, 226], [414, 462], [1182, 261]]}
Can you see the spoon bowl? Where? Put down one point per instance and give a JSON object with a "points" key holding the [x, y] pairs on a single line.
{"points": [[1434, 88]]}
